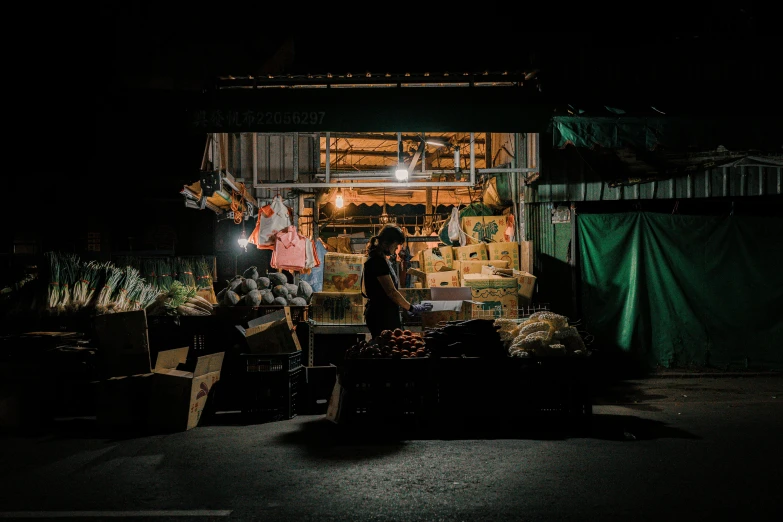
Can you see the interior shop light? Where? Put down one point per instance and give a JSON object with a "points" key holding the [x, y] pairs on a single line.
{"points": [[338, 201], [243, 238], [401, 173]]}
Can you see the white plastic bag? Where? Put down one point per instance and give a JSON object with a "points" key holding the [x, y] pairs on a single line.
{"points": [[268, 226], [455, 229]]}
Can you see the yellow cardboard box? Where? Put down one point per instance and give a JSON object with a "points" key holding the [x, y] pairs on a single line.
{"points": [[508, 251], [435, 259], [343, 272], [477, 252], [526, 282], [497, 295], [444, 278], [485, 228], [475, 267]]}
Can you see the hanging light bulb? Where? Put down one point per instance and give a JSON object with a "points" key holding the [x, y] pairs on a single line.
{"points": [[401, 173], [338, 201], [243, 238]]}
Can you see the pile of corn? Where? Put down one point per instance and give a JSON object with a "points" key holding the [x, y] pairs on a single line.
{"points": [[542, 334]]}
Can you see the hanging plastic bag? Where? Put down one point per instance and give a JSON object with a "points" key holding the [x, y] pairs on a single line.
{"points": [[455, 229], [268, 226], [509, 233], [267, 210]]}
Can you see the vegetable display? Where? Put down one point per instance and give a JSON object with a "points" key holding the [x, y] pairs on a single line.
{"points": [[74, 285], [396, 343], [252, 289], [542, 334], [470, 338]]}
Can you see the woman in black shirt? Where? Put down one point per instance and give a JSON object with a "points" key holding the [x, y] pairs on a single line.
{"points": [[380, 283]]}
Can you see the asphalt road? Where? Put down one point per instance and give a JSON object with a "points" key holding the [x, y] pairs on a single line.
{"points": [[706, 448]]}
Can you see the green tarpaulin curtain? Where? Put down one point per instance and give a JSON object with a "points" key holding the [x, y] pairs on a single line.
{"points": [[679, 290]]}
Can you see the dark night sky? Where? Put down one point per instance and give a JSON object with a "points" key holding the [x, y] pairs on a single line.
{"points": [[714, 55]]}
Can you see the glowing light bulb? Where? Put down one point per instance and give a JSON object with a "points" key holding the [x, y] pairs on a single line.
{"points": [[338, 201], [401, 173]]}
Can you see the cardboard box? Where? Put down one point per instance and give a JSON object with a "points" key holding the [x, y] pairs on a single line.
{"points": [[123, 344], [526, 282], [337, 308], [448, 304], [271, 333], [340, 244], [180, 389], [444, 278], [436, 259], [342, 272], [171, 396], [474, 267], [485, 228], [497, 295], [416, 295], [477, 252], [527, 256], [508, 251]]}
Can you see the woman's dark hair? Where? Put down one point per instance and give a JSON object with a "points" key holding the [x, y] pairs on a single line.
{"points": [[388, 234]]}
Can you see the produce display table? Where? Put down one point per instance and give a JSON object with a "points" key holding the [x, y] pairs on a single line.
{"points": [[336, 329], [436, 389]]}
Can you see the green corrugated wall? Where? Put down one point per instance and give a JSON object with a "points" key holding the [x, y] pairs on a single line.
{"points": [[554, 275]]}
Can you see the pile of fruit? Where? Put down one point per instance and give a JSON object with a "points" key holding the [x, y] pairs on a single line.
{"points": [[251, 289], [396, 343]]}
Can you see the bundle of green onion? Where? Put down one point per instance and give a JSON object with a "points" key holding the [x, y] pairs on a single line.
{"points": [[110, 277], [165, 274], [203, 273], [53, 290], [185, 272]]}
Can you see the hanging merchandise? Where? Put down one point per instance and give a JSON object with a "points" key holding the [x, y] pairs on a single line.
{"points": [[290, 250], [509, 233], [316, 275], [455, 230], [270, 222]]}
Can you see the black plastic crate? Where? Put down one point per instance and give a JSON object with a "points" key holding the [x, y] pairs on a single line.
{"points": [[470, 386], [207, 334], [549, 386], [381, 388], [317, 389], [269, 362], [270, 396]]}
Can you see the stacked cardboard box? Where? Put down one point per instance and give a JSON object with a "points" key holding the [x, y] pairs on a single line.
{"points": [[526, 282], [170, 396], [341, 302], [497, 295], [436, 268]]}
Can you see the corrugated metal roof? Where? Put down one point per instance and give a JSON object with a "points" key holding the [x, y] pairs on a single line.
{"points": [[570, 178]]}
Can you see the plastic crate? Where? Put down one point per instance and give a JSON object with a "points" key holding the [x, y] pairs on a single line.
{"points": [[207, 334], [270, 396], [317, 389], [380, 388], [470, 386], [550, 386], [270, 362], [242, 314]]}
